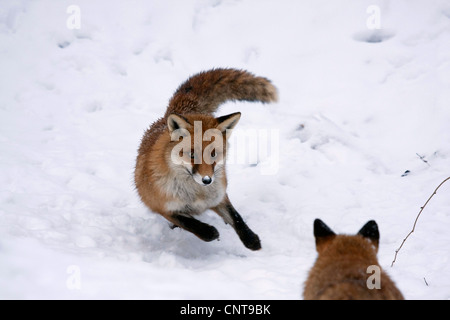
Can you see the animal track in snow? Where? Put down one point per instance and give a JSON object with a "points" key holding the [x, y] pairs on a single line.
{"points": [[373, 36]]}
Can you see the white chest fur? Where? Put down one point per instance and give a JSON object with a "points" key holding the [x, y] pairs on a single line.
{"points": [[189, 196]]}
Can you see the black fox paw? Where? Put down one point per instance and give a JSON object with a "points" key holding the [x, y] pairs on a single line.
{"points": [[208, 233], [251, 240]]}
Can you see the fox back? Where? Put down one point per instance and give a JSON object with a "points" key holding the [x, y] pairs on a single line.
{"points": [[344, 266]]}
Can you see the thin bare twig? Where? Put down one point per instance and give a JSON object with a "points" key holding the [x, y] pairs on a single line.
{"points": [[417, 218]]}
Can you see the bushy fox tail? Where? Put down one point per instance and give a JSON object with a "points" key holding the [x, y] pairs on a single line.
{"points": [[205, 91]]}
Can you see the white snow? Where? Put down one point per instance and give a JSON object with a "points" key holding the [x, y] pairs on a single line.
{"points": [[357, 108]]}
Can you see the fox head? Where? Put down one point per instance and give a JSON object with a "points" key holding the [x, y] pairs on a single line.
{"points": [[325, 237], [202, 150]]}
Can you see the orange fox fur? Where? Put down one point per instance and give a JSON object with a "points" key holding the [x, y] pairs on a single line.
{"points": [[179, 191], [341, 269]]}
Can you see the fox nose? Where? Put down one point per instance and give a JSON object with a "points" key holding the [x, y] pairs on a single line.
{"points": [[206, 180]]}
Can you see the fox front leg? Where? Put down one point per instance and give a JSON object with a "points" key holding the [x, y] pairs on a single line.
{"points": [[202, 230], [232, 217]]}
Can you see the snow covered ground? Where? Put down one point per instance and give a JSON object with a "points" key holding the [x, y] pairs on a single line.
{"points": [[364, 93]]}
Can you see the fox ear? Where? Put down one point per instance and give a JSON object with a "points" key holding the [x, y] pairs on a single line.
{"points": [[175, 122], [321, 229], [228, 122], [370, 231], [321, 232]]}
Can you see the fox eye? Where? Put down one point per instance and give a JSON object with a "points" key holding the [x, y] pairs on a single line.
{"points": [[189, 154], [213, 154]]}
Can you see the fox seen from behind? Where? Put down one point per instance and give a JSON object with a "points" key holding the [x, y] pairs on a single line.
{"points": [[340, 271], [179, 176]]}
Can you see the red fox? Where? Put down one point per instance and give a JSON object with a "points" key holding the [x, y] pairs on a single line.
{"points": [[345, 265], [182, 179]]}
